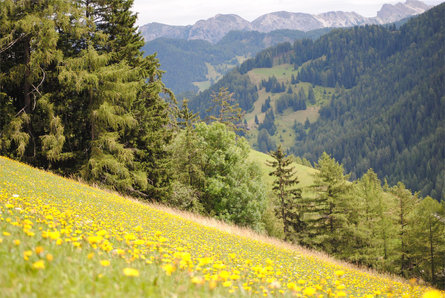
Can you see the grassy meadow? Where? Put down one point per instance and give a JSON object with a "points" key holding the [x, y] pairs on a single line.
{"points": [[59, 237], [285, 134]]}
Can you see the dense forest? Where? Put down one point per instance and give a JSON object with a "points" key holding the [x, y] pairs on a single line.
{"points": [[78, 98], [388, 109], [392, 120]]}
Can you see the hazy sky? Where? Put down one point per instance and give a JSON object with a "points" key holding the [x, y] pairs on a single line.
{"points": [[186, 12]]}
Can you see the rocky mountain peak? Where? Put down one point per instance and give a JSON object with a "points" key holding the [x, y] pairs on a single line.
{"points": [[215, 28]]}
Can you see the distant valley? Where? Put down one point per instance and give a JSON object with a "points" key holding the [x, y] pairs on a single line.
{"points": [[196, 56]]}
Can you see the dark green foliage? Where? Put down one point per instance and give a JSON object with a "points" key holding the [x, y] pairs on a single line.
{"points": [[268, 123], [240, 85], [266, 105], [326, 215], [265, 142], [292, 101], [289, 197], [272, 85], [76, 96]]}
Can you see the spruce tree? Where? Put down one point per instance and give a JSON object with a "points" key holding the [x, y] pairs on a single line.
{"points": [[288, 194], [326, 217]]}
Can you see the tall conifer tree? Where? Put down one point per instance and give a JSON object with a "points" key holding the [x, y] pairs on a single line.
{"points": [[288, 194]]}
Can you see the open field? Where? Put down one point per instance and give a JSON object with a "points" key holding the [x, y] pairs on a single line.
{"points": [[62, 238]]}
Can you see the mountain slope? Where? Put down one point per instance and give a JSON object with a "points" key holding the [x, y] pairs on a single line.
{"points": [[193, 65], [392, 119], [215, 28], [378, 99], [82, 241]]}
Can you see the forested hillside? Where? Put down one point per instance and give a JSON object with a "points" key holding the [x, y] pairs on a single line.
{"points": [[393, 118], [386, 107], [193, 65]]}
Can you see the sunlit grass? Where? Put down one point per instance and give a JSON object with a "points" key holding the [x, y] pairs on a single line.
{"points": [[62, 238]]}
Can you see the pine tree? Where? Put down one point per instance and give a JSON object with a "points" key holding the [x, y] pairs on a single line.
{"points": [[288, 195], [225, 111]]}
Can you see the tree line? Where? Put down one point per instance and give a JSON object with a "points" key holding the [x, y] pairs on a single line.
{"points": [[386, 228]]}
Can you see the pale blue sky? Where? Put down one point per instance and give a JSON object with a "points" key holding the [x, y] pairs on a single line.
{"points": [[185, 12]]}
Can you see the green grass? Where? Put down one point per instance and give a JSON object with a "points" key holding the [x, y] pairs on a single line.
{"points": [[282, 72], [62, 238]]}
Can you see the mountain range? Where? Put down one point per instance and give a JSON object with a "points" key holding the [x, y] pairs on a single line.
{"points": [[215, 28]]}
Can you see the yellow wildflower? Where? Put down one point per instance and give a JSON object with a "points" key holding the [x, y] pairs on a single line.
{"points": [[432, 294], [131, 272], [39, 265], [27, 254], [38, 250], [309, 291]]}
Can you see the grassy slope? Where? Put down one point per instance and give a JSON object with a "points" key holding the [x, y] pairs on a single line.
{"points": [[284, 122], [59, 237]]}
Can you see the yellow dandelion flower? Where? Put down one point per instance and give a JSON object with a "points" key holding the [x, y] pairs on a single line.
{"points": [[105, 263], [212, 284], [27, 254], [432, 294], [90, 255], [16, 242], [131, 272], [6, 234], [339, 272], [301, 281], [309, 291], [39, 265], [54, 235], [49, 257], [38, 250], [197, 280], [169, 269], [227, 284]]}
